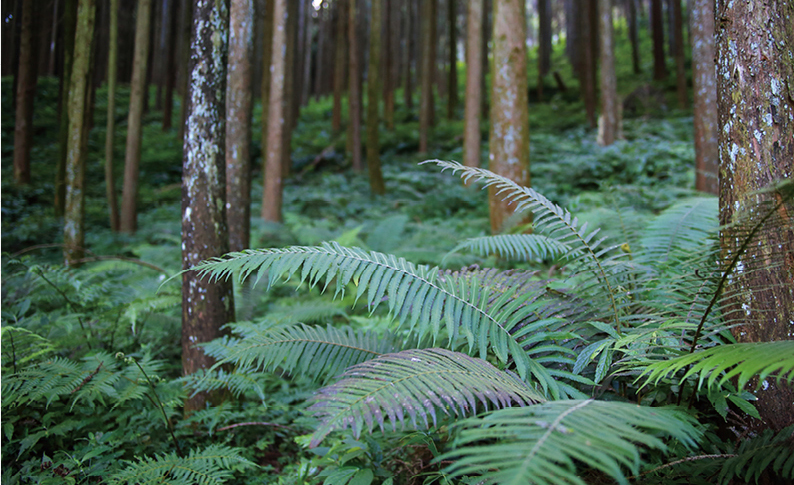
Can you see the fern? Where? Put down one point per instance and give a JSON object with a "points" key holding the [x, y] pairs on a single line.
{"points": [[21, 346], [414, 384], [545, 443], [769, 452], [517, 247]]}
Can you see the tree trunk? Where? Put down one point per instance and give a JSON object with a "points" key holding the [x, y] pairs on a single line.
{"points": [[509, 137], [373, 95], [487, 34], [631, 19], [408, 91], [609, 122], [339, 64], [678, 54], [428, 61], [573, 36], [387, 55], [26, 92], [276, 123], [705, 96], [307, 54], [354, 96], [587, 63], [238, 124], [452, 91], [150, 55], [474, 67], [267, 59], [69, 23], [206, 306], [657, 28], [132, 157], [290, 114], [187, 22], [170, 72], [544, 37], [110, 183], [756, 116], [324, 20], [73, 229]]}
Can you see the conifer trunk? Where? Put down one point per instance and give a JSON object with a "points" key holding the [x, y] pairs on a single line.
{"points": [[588, 61], [354, 94], [657, 30], [609, 126], [428, 61], [678, 55], [339, 64], [276, 123], [110, 181], [170, 71], [267, 59], [373, 96], [69, 23], [452, 90], [26, 92], [474, 67], [408, 56], [704, 80], [634, 39]]}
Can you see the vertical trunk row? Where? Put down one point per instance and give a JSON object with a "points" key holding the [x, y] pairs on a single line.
{"points": [[373, 91], [187, 21], [306, 63], [354, 94], [474, 67], [276, 123], [268, 55], [290, 106], [110, 183], [26, 91], [388, 54], [704, 79], [339, 64]]}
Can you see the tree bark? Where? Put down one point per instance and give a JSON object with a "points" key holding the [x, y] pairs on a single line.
{"points": [[26, 92], [544, 37], [290, 105], [276, 123], [509, 137], [387, 56], [267, 59], [307, 54], [474, 67], [170, 72], [452, 91], [206, 306], [354, 95], [324, 20], [373, 95], [238, 123], [69, 23], [132, 157], [756, 119], [609, 122], [428, 62], [678, 54], [704, 78], [634, 39], [339, 64], [587, 63], [73, 228], [187, 22], [572, 36], [657, 29], [408, 91], [110, 182]]}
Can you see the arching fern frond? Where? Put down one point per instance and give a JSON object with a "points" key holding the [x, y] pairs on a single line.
{"points": [[210, 466], [545, 443], [21, 346], [768, 452], [516, 247], [414, 384], [716, 365], [683, 228]]}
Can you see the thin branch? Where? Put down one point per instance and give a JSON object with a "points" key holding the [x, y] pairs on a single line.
{"points": [[682, 460]]}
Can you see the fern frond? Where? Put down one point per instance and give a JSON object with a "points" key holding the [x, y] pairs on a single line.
{"points": [[683, 228], [416, 383], [211, 466], [21, 346], [544, 443], [716, 365], [768, 452], [515, 247], [238, 383]]}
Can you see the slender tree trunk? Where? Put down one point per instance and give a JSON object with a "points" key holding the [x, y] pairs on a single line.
{"points": [[276, 123], [609, 122], [170, 72], [206, 305], [487, 34], [756, 115], [680, 74], [544, 37], [408, 92], [452, 92], [150, 55], [267, 59], [26, 91], [474, 67], [704, 78], [631, 19], [388, 55], [73, 229], [657, 28], [300, 38], [69, 22], [187, 22], [573, 36], [290, 114], [588, 68], [307, 54], [238, 123], [110, 183], [132, 158], [373, 95], [324, 20], [354, 96], [509, 137], [428, 59], [339, 67]]}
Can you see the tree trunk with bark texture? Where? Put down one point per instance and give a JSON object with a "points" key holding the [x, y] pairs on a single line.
{"points": [[387, 54], [452, 90], [634, 39], [26, 92], [474, 67], [307, 55], [187, 22], [609, 122], [238, 123], [544, 37], [657, 29], [276, 123], [704, 79], [170, 71], [132, 157], [110, 180], [73, 228], [587, 62], [69, 22], [408, 85], [756, 119], [428, 61], [323, 25], [509, 137], [206, 306], [267, 59], [678, 54], [290, 105], [340, 58], [373, 96], [354, 94]]}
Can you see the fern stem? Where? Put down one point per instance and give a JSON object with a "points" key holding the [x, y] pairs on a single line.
{"points": [[168, 424], [252, 423], [678, 462], [72, 305]]}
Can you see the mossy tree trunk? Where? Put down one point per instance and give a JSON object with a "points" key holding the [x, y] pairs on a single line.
{"points": [[206, 306], [79, 85], [509, 137], [110, 180], [276, 123], [474, 67], [704, 79], [756, 119], [26, 92], [373, 97], [609, 122]]}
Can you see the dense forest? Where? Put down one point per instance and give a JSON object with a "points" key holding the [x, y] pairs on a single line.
{"points": [[354, 242]]}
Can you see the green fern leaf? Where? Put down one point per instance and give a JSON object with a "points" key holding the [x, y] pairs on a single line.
{"points": [[414, 384], [515, 247], [768, 452]]}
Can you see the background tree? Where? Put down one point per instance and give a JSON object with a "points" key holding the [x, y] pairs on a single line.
{"points": [[452, 81], [138, 86], [25, 93], [634, 38], [267, 57], [704, 80], [474, 67], [657, 30], [609, 122], [276, 122], [110, 181], [340, 58], [678, 54], [206, 306], [754, 52], [290, 105], [73, 229], [587, 58], [544, 42], [509, 136], [354, 93], [170, 71], [428, 20], [238, 123], [373, 96], [68, 21]]}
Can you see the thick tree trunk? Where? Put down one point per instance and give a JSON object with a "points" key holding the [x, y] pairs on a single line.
{"points": [[756, 115], [373, 95], [110, 182], [428, 66], [267, 59], [340, 57], [609, 122], [73, 229], [452, 90], [657, 29], [509, 137], [354, 95], [704, 78], [474, 67], [631, 19], [170, 72], [132, 157], [26, 91], [588, 62], [206, 306], [69, 22], [238, 124], [276, 123], [678, 54]]}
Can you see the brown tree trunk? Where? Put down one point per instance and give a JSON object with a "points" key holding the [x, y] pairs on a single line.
{"points": [[631, 19], [388, 54], [474, 67], [110, 183], [373, 91], [354, 96], [267, 59], [276, 123], [428, 61], [340, 57], [408, 91], [324, 20], [704, 78], [290, 105], [307, 54], [487, 34], [73, 229], [544, 37], [206, 306], [588, 62], [69, 22], [238, 123], [26, 91], [509, 137], [609, 122], [573, 36], [657, 28], [132, 157], [187, 22], [452, 91], [678, 54], [170, 71], [756, 116]]}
